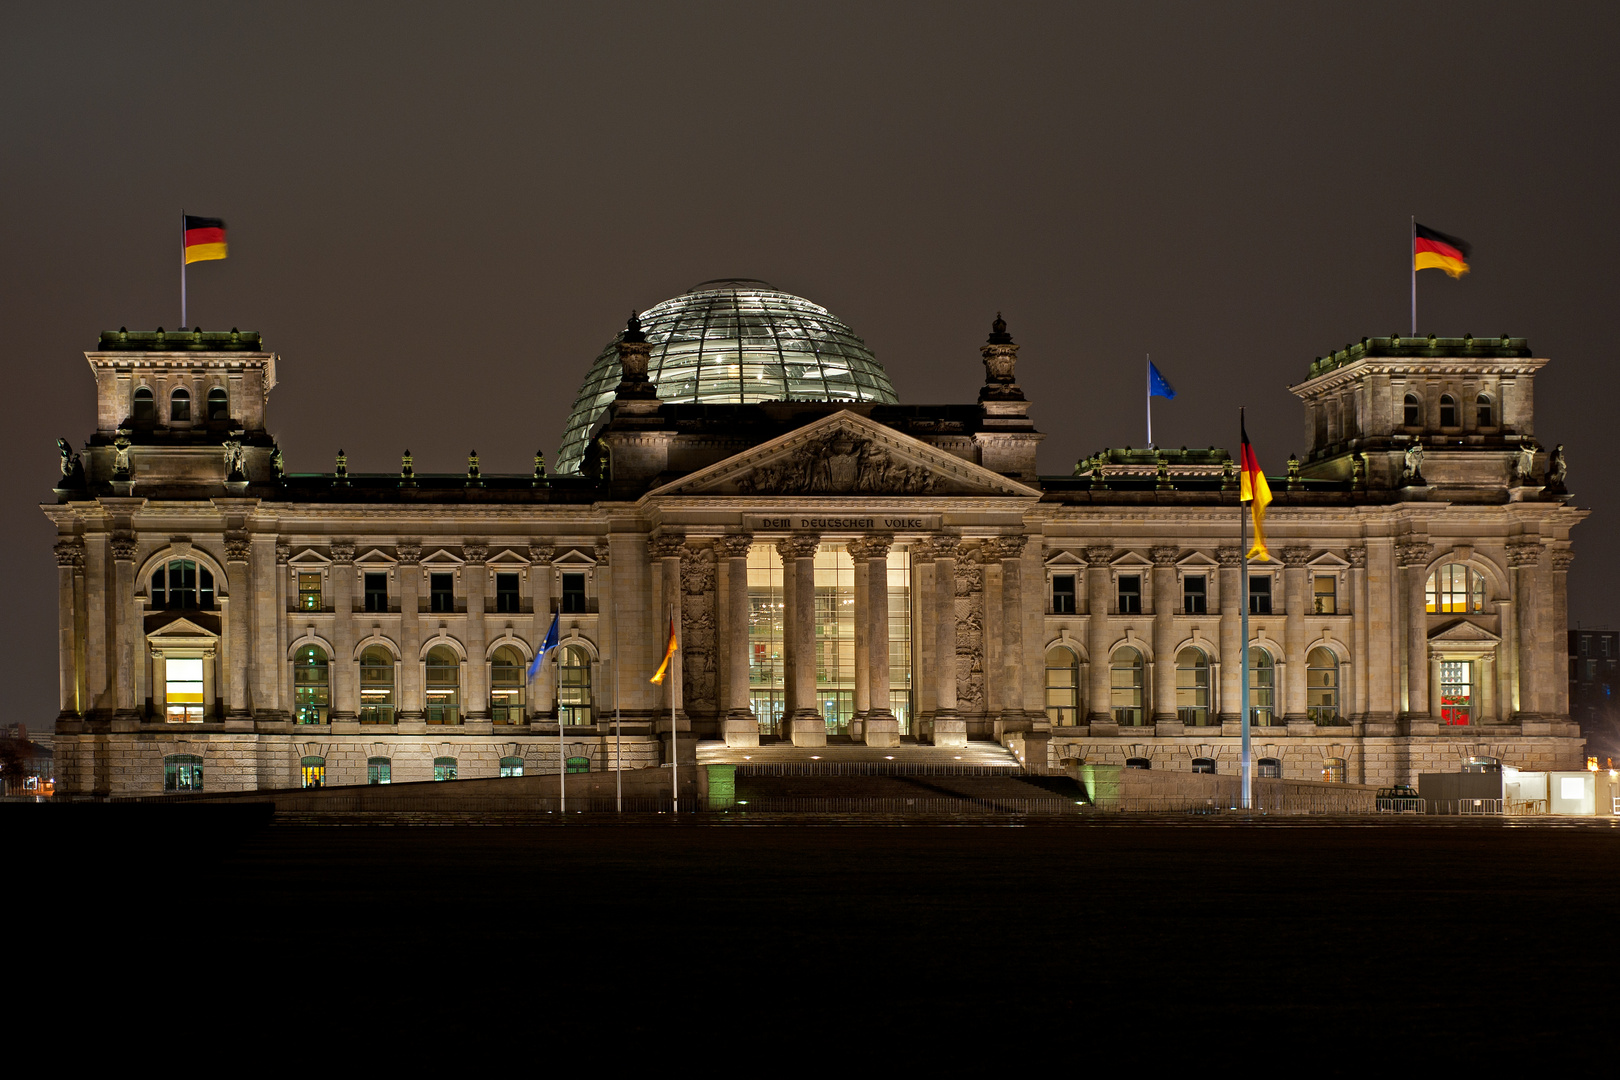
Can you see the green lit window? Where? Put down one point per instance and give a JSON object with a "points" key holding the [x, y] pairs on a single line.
{"points": [[511, 766], [579, 765], [182, 772], [312, 772], [379, 770], [311, 686], [506, 678], [443, 686], [444, 768], [309, 592]]}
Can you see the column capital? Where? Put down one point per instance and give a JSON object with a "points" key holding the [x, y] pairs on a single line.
{"points": [[409, 552], [1561, 559], [1006, 548], [539, 554], [734, 545], [1099, 555], [601, 553], [798, 547], [1357, 556], [665, 545], [123, 546], [475, 551], [1230, 557], [871, 547], [1524, 552], [238, 547], [70, 552], [1296, 557], [935, 546], [283, 552], [1164, 556], [1413, 552], [342, 552]]}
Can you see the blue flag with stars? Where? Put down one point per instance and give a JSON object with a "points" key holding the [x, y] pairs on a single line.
{"points": [[1158, 385], [545, 647]]}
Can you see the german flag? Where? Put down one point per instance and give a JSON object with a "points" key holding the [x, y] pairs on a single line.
{"points": [[669, 651], [1433, 250], [1254, 489], [205, 238]]}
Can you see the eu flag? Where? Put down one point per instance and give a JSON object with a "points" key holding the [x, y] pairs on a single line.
{"points": [[1158, 385], [545, 647]]}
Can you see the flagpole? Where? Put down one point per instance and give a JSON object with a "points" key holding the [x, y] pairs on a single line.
{"points": [[562, 754], [1411, 258], [618, 763], [674, 736], [1150, 399], [182, 270], [1243, 632]]}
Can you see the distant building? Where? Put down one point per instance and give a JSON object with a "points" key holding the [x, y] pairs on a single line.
{"points": [[840, 566], [1594, 673]]}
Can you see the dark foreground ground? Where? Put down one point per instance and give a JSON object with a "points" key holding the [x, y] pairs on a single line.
{"points": [[1084, 947]]}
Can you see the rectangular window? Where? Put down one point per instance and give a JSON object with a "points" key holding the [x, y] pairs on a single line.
{"points": [[377, 592], [1260, 595], [309, 592], [1063, 594], [1456, 692], [380, 770], [1195, 594], [506, 593], [1327, 594], [441, 593], [573, 594], [183, 689], [1130, 594]]}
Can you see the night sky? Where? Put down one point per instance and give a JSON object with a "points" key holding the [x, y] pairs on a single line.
{"points": [[439, 214]]}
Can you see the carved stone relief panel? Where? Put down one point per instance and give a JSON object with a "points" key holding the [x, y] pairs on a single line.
{"points": [[698, 592], [969, 628]]}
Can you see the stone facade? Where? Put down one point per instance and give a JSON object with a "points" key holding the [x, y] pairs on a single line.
{"points": [[214, 609]]}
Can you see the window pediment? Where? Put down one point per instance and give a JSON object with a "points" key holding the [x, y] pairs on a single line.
{"points": [[376, 558], [309, 559], [443, 560], [508, 559]]}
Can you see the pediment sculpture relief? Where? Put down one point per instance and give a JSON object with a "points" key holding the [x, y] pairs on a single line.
{"points": [[839, 463]]}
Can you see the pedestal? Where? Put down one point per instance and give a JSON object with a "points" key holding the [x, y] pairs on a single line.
{"points": [[740, 730], [881, 730], [807, 731]]}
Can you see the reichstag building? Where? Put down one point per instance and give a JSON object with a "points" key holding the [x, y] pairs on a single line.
{"points": [[844, 568]]}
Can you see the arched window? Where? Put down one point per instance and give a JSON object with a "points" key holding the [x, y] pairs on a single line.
{"points": [[574, 686], [376, 686], [1062, 686], [1455, 587], [311, 685], [1448, 411], [1192, 687], [182, 772], [1322, 686], [1484, 414], [182, 585], [218, 404], [511, 766], [180, 406], [445, 768], [1270, 768], [1125, 686], [1138, 763], [1333, 770], [145, 412], [1204, 765], [506, 670], [379, 770], [1413, 411], [1262, 687], [443, 687], [312, 772]]}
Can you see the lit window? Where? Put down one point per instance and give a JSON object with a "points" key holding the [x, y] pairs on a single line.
{"points": [[1456, 692], [443, 686], [309, 592], [1260, 594], [182, 772], [311, 686], [376, 686], [183, 689], [1129, 592], [579, 765], [1270, 768], [1192, 687], [573, 594], [1455, 587], [1333, 770], [1062, 686], [1262, 687], [1327, 594], [442, 593], [1195, 594], [379, 770], [1063, 594], [511, 766], [312, 772], [444, 768], [1322, 686], [376, 592], [573, 686], [507, 671], [1125, 686], [506, 594], [180, 407]]}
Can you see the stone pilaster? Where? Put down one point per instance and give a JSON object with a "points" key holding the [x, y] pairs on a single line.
{"points": [[1558, 698], [475, 573], [123, 547], [1165, 603], [267, 664], [69, 572], [345, 670], [409, 693], [666, 549], [1296, 597], [1009, 551], [949, 729], [1524, 559], [283, 667], [239, 643], [871, 555], [1357, 557], [1414, 555], [738, 724], [806, 726], [543, 689], [1099, 579], [1231, 631]]}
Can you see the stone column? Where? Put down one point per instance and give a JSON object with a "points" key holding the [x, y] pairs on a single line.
{"points": [[1099, 579], [238, 551], [477, 587], [543, 699], [123, 553], [738, 724], [408, 701], [863, 655], [283, 669], [1231, 631], [871, 555], [1358, 629], [1010, 550], [69, 566], [922, 639], [1296, 594], [1162, 704], [1414, 559], [806, 726], [1381, 617], [666, 548], [267, 665], [345, 670], [1558, 661]]}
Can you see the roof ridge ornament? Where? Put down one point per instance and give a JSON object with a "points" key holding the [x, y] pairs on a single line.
{"points": [[1000, 360]]}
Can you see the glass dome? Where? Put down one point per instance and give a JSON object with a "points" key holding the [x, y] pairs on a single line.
{"points": [[734, 341]]}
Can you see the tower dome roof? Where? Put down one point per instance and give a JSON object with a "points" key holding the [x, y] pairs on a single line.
{"points": [[734, 341]]}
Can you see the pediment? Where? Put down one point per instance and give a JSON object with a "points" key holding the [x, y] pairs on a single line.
{"points": [[574, 557], [1463, 632], [845, 454], [1196, 561], [1130, 560], [508, 557], [180, 632], [1066, 559], [309, 558], [376, 557], [1328, 561], [443, 560]]}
